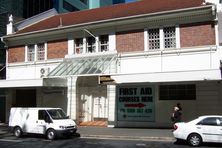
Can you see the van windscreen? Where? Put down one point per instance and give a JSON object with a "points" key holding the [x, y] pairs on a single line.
{"points": [[57, 114]]}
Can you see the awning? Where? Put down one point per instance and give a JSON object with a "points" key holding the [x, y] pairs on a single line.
{"points": [[91, 65], [45, 82]]}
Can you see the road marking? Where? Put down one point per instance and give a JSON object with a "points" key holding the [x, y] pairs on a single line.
{"points": [[8, 140], [141, 144]]}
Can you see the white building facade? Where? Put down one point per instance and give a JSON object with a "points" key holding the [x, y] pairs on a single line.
{"points": [[129, 68]]}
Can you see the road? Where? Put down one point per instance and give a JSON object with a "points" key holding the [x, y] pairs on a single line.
{"points": [[80, 142]]}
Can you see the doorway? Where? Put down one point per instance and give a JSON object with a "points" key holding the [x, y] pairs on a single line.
{"points": [[25, 98], [2, 109]]}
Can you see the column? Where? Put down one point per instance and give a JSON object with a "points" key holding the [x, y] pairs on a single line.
{"points": [[72, 102], [111, 95]]}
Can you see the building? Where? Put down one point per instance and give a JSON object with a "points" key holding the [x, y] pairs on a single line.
{"points": [[128, 67], [23, 9]]}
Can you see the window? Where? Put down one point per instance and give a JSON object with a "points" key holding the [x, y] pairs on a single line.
{"points": [[154, 38], [104, 43], [169, 37], [79, 46], [162, 38], [42, 114], [31, 53], [41, 51], [57, 114], [69, 7], [177, 92], [208, 121], [36, 52], [91, 44], [84, 1]]}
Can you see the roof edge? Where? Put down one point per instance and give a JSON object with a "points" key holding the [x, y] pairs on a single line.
{"points": [[110, 20]]}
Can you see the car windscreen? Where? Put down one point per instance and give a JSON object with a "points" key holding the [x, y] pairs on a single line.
{"points": [[57, 114]]}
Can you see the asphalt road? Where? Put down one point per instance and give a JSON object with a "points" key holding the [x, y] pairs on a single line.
{"points": [[78, 142]]}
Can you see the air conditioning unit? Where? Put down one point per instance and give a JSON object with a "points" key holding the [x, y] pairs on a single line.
{"points": [[44, 72]]}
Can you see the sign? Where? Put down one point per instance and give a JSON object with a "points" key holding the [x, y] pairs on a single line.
{"points": [[135, 103], [106, 79]]}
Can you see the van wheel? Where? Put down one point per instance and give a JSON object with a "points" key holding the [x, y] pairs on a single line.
{"points": [[194, 140], [17, 132], [51, 134]]}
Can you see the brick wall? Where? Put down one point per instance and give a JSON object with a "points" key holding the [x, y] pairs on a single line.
{"points": [[57, 49], [16, 54], [130, 41], [198, 34]]}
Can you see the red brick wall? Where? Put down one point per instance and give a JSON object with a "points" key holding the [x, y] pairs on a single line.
{"points": [[16, 54], [198, 34], [57, 49], [130, 41]]}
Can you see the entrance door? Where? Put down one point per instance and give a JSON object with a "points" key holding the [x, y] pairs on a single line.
{"points": [[2, 109], [100, 108], [93, 104]]}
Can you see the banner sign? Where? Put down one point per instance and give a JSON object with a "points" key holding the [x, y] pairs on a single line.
{"points": [[135, 103]]}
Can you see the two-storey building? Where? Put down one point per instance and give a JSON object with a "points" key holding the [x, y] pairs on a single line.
{"points": [[127, 64]]}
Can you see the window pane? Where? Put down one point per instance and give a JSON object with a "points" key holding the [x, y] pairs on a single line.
{"points": [[79, 46], [31, 53], [104, 43], [169, 37], [208, 121], [153, 39], [91, 44], [41, 51], [42, 114]]}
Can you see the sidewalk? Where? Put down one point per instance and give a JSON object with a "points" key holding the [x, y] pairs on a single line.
{"points": [[126, 133]]}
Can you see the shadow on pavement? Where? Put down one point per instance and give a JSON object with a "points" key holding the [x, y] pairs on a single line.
{"points": [[182, 142]]}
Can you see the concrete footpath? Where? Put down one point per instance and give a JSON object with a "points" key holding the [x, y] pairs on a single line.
{"points": [[127, 133], [144, 134]]}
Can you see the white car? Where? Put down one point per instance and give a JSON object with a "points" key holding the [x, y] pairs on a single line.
{"points": [[202, 129]]}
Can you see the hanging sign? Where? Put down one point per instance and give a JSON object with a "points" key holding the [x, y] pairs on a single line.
{"points": [[135, 103]]}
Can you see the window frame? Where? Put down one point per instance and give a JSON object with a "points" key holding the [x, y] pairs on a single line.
{"points": [[30, 54], [162, 38], [79, 47], [103, 43], [90, 45], [36, 51]]}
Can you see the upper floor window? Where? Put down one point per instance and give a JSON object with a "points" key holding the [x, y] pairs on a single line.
{"points": [[169, 37], [36, 52], [91, 44], [40, 51], [104, 43], [79, 46], [154, 38], [162, 38], [31, 53]]}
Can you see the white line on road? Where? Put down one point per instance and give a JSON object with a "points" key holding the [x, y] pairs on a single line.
{"points": [[8, 140]]}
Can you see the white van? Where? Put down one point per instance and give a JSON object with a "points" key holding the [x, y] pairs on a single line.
{"points": [[51, 122]]}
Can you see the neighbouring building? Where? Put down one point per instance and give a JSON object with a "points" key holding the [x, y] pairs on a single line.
{"points": [[127, 64], [63, 6]]}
